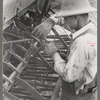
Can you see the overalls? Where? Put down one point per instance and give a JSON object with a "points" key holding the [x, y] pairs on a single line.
{"points": [[88, 93]]}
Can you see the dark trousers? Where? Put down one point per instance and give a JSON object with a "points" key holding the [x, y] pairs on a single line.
{"points": [[69, 94]]}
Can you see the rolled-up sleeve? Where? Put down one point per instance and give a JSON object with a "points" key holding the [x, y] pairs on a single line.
{"points": [[77, 61]]}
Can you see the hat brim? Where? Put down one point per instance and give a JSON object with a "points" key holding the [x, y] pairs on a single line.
{"points": [[63, 13]]}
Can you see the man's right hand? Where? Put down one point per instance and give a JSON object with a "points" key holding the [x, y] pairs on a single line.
{"points": [[42, 30]]}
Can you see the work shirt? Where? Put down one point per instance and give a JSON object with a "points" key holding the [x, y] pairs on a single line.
{"points": [[82, 59]]}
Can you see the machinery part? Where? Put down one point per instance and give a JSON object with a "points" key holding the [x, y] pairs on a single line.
{"points": [[12, 97], [30, 89], [10, 8], [63, 42], [18, 69], [56, 90], [36, 68]]}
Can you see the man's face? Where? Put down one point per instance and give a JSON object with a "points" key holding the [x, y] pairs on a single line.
{"points": [[70, 22]]}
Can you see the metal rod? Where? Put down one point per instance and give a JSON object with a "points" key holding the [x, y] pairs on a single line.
{"points": [[12, 76], [7, 79], [56, 90], [11, 66], [11, 35], [17, 56], [32, 36], [46, 63], [44, 8], [16, 41], [21, 47], [20, 67], [62, 41], [30, 89], [11, 96]]}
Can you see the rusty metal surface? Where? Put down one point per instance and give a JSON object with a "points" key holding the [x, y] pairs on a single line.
{"points": [[29, 88], [12, 97], [36, 80], [63, 42], [10, 8], [56, 90], [38, 73]]}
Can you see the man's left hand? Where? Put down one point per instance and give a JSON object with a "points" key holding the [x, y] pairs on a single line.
{"points": [[50, 48]]}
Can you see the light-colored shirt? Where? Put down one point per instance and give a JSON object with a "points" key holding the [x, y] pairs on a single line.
{"points": [[82, 59]]}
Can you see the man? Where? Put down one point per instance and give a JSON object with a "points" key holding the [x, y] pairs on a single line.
{"points": [[79, 72]]}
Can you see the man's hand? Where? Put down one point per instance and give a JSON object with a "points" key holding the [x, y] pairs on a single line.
{"points": [[42, 30], [63, 55], [50, 48]]}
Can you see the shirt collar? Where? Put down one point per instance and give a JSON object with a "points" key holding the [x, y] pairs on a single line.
{"points": [[82, 30]]}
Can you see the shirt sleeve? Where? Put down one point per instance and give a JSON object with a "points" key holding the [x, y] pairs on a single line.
{"points": [[77, 61]]}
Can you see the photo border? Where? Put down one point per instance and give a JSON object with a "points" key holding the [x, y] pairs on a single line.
{"points": [[98, 46], [98, 21], [1, 10]]}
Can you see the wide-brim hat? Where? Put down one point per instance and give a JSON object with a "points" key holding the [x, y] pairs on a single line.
{"points": [[75, 7]]}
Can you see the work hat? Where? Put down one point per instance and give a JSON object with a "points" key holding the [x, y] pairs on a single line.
{"points": [[74, 7]]}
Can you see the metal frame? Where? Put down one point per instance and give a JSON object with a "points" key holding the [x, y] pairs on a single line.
{"points": [[29, 53], [28, 87]]}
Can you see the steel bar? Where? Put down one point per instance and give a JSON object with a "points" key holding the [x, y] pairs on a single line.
{"points": [[62, 41], [39, 78], [32, 74], [45, 89], [12, 76], [30, 51], [56, 90], [19, 25], [47, 96], [34, 82], [32, 36], [30, 89], [4, 40], [16, 41], [7, 79], [23, 97], [11, 96], [38, 68], [17, 56], [37, 72], [45, 55], [36, 62], [36, 51], [18, 37], [18, 91], [46, 63], [38, 65], [20, 66], [44, 9], [55, 36], [22, 48], [11, 66]]}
